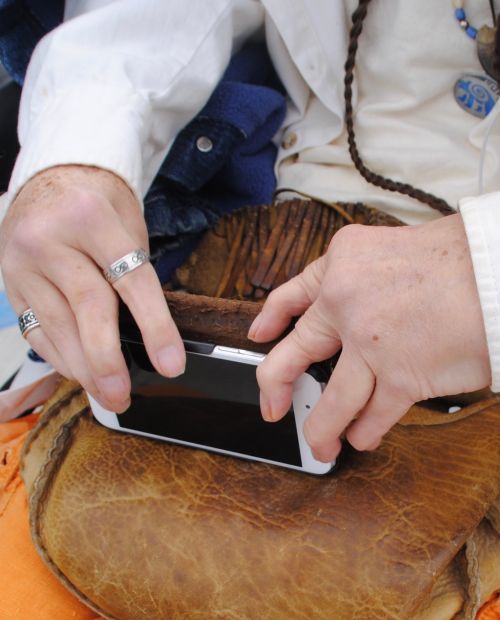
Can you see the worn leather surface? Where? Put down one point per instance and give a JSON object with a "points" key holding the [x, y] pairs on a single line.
{"points": [[141, 529]]}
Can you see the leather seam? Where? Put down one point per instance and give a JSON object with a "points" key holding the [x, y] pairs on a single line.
{"points": [[41, 490], [44, 421]]}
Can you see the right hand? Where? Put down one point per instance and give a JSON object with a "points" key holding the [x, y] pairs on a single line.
{"points": [[402, 303], [66, 225]]}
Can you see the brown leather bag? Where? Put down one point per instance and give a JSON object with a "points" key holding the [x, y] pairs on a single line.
{"points": [[143, 529]]}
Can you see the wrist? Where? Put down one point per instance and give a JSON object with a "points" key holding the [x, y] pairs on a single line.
{"points": [[58, 179]]}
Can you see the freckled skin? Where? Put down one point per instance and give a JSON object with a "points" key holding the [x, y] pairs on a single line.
{"points": [[391, 281], [64, 227]]}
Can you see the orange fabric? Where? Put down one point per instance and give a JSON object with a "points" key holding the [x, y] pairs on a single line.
{"points": [[27, 588], [490, 611]]}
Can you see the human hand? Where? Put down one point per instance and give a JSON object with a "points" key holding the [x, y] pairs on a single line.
{"points": [[402, 304], [66, 225]]}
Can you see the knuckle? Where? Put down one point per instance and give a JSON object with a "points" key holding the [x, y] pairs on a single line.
{"points": [[273, 301], [269, 373], [159, 334], [85, 209], [313, 334], [348, 238], [309, 279], [101, 368], [156, 324], [31, 239], [97, 302], [54, 324], [102, 348], [104, 357], [305, 338], [263, 373]]}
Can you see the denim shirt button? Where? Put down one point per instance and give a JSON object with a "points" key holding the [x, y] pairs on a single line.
{"points": [[204, 144]]}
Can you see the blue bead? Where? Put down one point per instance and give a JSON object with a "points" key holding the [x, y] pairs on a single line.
{"points": [[460, 14], [471, 32]]}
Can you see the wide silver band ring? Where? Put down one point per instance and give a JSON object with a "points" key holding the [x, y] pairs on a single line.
{"points": [[125, 265], [27, 321]]}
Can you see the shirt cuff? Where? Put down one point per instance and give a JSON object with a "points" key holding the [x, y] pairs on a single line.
{"points": [[481, 217], [80, 128]]}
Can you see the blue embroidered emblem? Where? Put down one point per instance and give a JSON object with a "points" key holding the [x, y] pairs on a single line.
{"points": [[476, 94]]}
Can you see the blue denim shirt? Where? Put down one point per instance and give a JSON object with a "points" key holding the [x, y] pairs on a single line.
{"points": [[222, 160]]}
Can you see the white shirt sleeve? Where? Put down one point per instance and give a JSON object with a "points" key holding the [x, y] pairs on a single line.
{"points": [[481, 217], [113, 86]]}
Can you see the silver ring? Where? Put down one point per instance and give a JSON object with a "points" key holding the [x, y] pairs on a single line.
{"points": [[27, 321], [125, 265]]}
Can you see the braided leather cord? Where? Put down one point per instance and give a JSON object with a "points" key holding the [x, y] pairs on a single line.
{"points": [[376, 179]]}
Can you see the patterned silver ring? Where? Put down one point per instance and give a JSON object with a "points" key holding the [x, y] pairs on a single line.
{"points": [[125, 265], [27, 321]]}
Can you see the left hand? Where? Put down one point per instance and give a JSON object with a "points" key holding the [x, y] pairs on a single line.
{"points": [[402, 304]]}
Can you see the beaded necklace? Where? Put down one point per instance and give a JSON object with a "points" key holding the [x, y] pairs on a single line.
{"points": [[478, 93], [463, 22]]}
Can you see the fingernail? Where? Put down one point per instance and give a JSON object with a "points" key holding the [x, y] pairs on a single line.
{"points": [[171, 361], [114, 387], [254, 327]]}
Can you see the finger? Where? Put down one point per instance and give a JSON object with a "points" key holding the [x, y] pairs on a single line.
{"points": [[142, 293], [312, 340], [347, 392], [95, 307], [59, 326], [382, 411], [287, 301], [37, 340]]}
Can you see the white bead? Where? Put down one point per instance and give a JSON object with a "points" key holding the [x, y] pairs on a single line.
{"points": [[458, 4]]}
